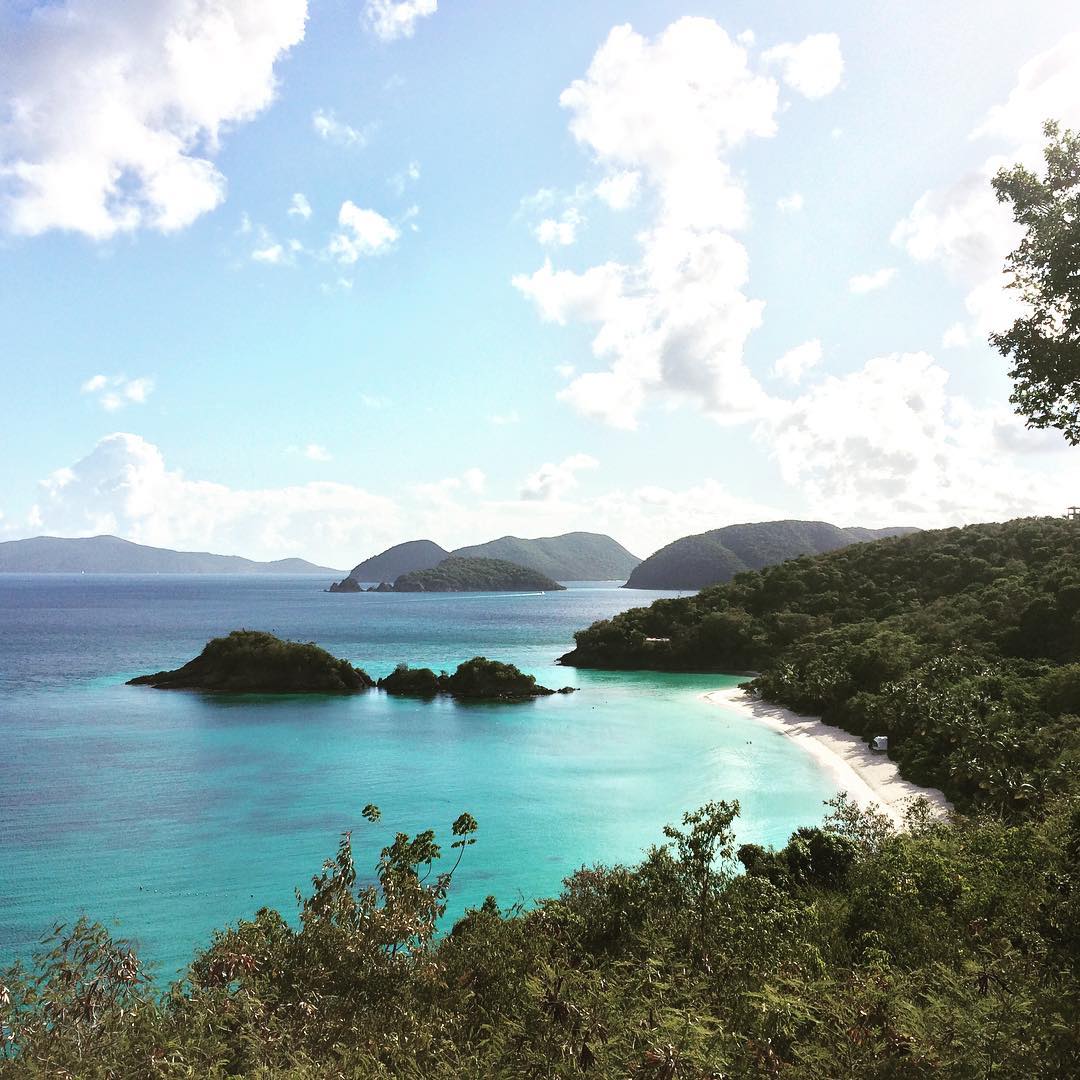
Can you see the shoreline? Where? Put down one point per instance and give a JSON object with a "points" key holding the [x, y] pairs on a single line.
{"points": [[869, 778]]}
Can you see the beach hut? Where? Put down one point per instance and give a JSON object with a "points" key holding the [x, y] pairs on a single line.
{"points": [[880, 743]]}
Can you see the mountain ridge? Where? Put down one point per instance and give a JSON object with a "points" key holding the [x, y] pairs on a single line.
{"points": [[107, 554]]}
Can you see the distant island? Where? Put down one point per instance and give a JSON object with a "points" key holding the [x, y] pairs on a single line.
{"points": [[255, 662], [476, 575], [112, 555], [711, 558], [478, 679], [456, 574], [575, 556]]}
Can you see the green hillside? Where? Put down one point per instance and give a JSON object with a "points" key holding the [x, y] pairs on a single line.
{"points": [[457, 574], [961, 645], [709, 558], [576, 556]]}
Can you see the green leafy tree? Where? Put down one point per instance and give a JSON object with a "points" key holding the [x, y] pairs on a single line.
{"points": [[1044, 343]]}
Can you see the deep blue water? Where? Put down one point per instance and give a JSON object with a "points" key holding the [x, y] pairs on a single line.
{"points": [[175, 813]]}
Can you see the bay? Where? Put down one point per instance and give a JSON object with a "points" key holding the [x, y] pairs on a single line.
{"points": [[169, 814]]}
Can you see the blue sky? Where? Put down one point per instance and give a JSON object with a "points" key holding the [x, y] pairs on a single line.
{"points": [[542, 264]]}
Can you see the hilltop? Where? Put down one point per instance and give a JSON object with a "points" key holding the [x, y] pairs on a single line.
{"points": [[709, 558], [476, 575], [112, 555], [575, 556], [399, 559]]}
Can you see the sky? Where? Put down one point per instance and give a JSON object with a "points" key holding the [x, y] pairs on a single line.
{"points": [[286, 278]]}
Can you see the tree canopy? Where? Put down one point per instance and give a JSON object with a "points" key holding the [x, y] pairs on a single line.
{"points": [[1044, 342]]}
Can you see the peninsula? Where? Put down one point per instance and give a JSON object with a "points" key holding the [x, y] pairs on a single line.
{"points": [[254, 662]]}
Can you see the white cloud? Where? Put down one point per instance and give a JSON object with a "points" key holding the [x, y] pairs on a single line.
{"points": [[113, 111], [272, 254], [559, 232], [667, 112], [673, 108], [889, 444], [795, 363], [621, 189], [878, 279], [315, 452], [300, 207], [505, 419], [327, 126], [115, 391], [962, 226], [409, 175], [392, 19], [955, 337], [813, 67], [123, 486], [554, 481], [790, 204], [374, 401], [364, 232]]}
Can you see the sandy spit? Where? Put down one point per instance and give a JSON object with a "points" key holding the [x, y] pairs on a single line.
{"points": [[869, 778]]}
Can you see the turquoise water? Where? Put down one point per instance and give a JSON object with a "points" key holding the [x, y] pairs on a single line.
{"points": [[175, 813]]}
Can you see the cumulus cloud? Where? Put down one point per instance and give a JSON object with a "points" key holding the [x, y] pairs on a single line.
{"points": [[113, 111], [790, 204], [392, 19], [271, 254], [560, 232], [668, 113], [113, 392], [300, 207], [327, 126], [813, 67], [124, 486], [363, 232], [795, 363], [315, 452], [961, 226], [878, 279], [889, 443], [554, 481], [620, 190]]}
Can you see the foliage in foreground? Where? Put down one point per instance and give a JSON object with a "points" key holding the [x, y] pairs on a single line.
{"points": [[945, 951], [961, 645]]}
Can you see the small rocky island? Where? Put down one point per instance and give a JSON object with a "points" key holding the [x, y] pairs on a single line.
{"points": [[478, 679], [461, 574], [254, 662]]}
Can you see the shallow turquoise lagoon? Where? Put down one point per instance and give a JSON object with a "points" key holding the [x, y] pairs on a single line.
{"points": [[175, 813]]}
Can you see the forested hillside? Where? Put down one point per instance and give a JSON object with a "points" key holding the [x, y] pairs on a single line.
{"points": [[709, 558], [961, 645]]}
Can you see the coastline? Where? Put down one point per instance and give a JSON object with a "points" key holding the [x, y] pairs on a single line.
{"points": [[869, 778]]}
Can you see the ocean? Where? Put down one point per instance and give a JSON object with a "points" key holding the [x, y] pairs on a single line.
{"points": [[166, 815]]}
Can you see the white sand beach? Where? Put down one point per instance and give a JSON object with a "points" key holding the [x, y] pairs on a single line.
{"points": [[869, 778]]}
